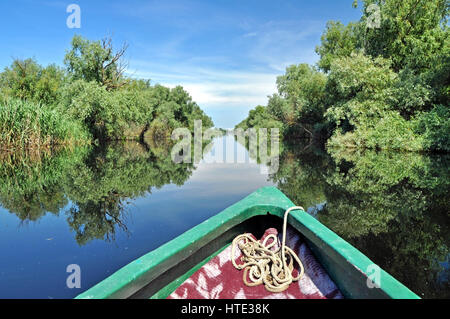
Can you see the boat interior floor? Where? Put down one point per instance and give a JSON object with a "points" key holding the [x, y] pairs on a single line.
{"points": [[219, 279]]}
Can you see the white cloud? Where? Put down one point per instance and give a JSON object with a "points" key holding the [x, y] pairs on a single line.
{"points": [[250, 34], [223, 94], [280, 44], [242, 79], [211, 87]]}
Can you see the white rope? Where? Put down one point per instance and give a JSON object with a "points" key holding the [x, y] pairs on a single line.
{"points": [[263, 265]]}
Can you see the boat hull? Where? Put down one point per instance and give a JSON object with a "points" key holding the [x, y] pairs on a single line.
{"points": [[158, 273]]}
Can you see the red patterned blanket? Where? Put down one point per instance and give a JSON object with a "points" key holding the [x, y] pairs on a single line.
{"points": [[219, 279]]}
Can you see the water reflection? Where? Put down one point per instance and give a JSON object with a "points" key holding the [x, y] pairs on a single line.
{"points": [[97, 183], [102, 208], [394, 207], [121, 201]]}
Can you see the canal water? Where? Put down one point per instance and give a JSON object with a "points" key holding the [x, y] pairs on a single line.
{"points": [[101, 208]]}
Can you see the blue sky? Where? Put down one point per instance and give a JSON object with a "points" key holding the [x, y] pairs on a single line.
{"points": [[225, 53]]}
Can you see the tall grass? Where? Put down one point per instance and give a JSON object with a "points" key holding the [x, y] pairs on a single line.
{"points": [[28, 125]]}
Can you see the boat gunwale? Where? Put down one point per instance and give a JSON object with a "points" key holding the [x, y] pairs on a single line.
{"points": [[341, 256]]}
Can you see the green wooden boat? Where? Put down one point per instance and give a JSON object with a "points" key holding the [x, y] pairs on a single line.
{"points": [[158, 273]]}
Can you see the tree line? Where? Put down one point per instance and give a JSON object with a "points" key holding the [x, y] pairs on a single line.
{"points": [[89, 99], [383, 87]]}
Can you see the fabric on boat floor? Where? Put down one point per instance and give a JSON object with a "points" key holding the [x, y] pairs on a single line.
{"points": [[219, 279]]}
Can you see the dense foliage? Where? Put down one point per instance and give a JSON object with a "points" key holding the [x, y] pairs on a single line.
{"points": [[25, 125], [91, 93], [380, 83]]}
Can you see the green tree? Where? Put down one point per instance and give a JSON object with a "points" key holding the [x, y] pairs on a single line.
{"points": [[338, 40], [303, 87], [20, 79], [27, 80], [96, 61], [260, 118], [385, 86], [411, 33]]}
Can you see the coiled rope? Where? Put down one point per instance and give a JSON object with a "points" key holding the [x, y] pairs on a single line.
{"points": [[263, 265]]}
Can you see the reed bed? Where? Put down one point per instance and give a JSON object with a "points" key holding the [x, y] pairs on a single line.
{"points": [[31, 126]]}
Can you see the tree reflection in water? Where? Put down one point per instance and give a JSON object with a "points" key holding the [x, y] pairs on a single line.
{"points": [[393, 207], [94, 184]]}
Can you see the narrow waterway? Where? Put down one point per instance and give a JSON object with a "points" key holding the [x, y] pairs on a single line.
{"points": [[102, 208]]}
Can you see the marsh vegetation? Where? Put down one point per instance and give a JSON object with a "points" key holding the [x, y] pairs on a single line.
{"points": [[88, 101], [374, 87]]}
